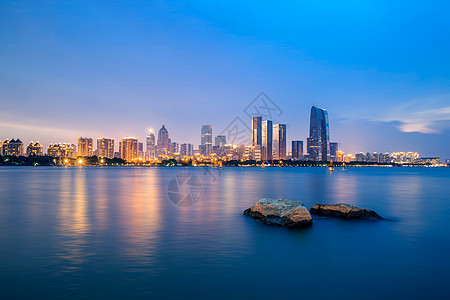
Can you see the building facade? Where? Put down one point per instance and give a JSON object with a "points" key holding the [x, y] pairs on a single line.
{"points": [[187, 149], [297, 150], [266, 140], [85, 146], [60, 150], [12, 147], [105, 148], [163, 140], [34, 149], [220, 141], [129, 148], [334, 148], [206, 139], [256, 131], [150, 149], [279, 141], [319, 135]]}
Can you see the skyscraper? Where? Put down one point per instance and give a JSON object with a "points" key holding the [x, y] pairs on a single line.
{"points": [[279, 141], [206, 139], [129, 148], [105, 147], [297, 149], [319, 135], [266, 140], [151, 145], [163, 140], [220, 141], [85, 147], [334, 148], [256, 131]]}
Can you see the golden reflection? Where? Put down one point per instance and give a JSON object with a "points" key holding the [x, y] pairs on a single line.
{"points": [[140, 210], [74, 223]]}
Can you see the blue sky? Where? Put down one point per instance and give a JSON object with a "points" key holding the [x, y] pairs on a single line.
{"points": [[93, 68]]}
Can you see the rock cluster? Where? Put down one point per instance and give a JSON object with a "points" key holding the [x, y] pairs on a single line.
{"points": [[292, 213], [284, 212]]}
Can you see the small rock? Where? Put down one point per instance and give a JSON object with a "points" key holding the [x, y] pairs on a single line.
{"points": [[283, 212], [344, 211]]}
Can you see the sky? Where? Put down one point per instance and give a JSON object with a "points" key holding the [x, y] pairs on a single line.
{"points": [[118, 68]]}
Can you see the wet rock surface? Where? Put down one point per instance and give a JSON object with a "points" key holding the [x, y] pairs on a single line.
{"points": [[344, 211], [282, 212]]}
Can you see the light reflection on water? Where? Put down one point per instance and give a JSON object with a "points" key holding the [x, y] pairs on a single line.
{"points": [[112, 232]]}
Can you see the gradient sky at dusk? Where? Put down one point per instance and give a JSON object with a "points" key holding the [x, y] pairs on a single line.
{"points": [[114, 69]]}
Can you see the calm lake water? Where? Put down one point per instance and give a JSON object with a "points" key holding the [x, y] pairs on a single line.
{"points": [[116, 233]]}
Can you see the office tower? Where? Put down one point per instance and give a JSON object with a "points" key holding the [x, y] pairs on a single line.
{"points": [[256, 131], [333, 151], [85, 146], [206, 139], [297, 149], [163, 140], [266, 140], [220, 141], [151, 145], [60, 150], [129, 148], [173, 147], [187, 149], [105, 147], [12, 147], [34, 149], [1, 148], [319, 135], [279, 141]]}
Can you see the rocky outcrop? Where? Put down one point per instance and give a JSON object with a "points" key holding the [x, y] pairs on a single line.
{"points": [[283, 212], [344, 211]]}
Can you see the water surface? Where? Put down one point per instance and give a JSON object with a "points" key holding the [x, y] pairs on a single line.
{"points": [[114, 233]]}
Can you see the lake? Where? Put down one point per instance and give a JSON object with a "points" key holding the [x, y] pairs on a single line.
{"points": [[178, 233]]}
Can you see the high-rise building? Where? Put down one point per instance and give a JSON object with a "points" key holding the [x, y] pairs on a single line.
{"points": [[12, 147], [206, 139], [151, 145], [85, 146], [266, 140], [129, 148], [319, 135], [220, 141], [163, 140], [187, 149], [34, 149], [297, 149], [60, 150], [105, 147], [173, 147], [279, 141], [256, 131], [334, 148]]}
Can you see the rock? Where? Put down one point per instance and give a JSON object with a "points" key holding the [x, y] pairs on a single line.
{"points": [[344, 211], [283, 212]]}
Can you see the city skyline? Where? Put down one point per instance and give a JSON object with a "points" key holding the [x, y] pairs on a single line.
{"points": [[80, 69]]}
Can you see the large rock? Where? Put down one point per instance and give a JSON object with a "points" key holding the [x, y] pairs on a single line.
{"points": [[284, 212], [344, 211]]}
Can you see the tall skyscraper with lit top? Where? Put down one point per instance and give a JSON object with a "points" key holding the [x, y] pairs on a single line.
{"points": [[256, 131], [319, 135], [163, 140]]}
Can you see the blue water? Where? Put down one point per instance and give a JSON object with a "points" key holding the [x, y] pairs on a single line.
{"points": [[114, 233]]}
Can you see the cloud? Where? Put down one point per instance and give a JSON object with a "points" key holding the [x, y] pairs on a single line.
{"points": [[421, 115]]}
